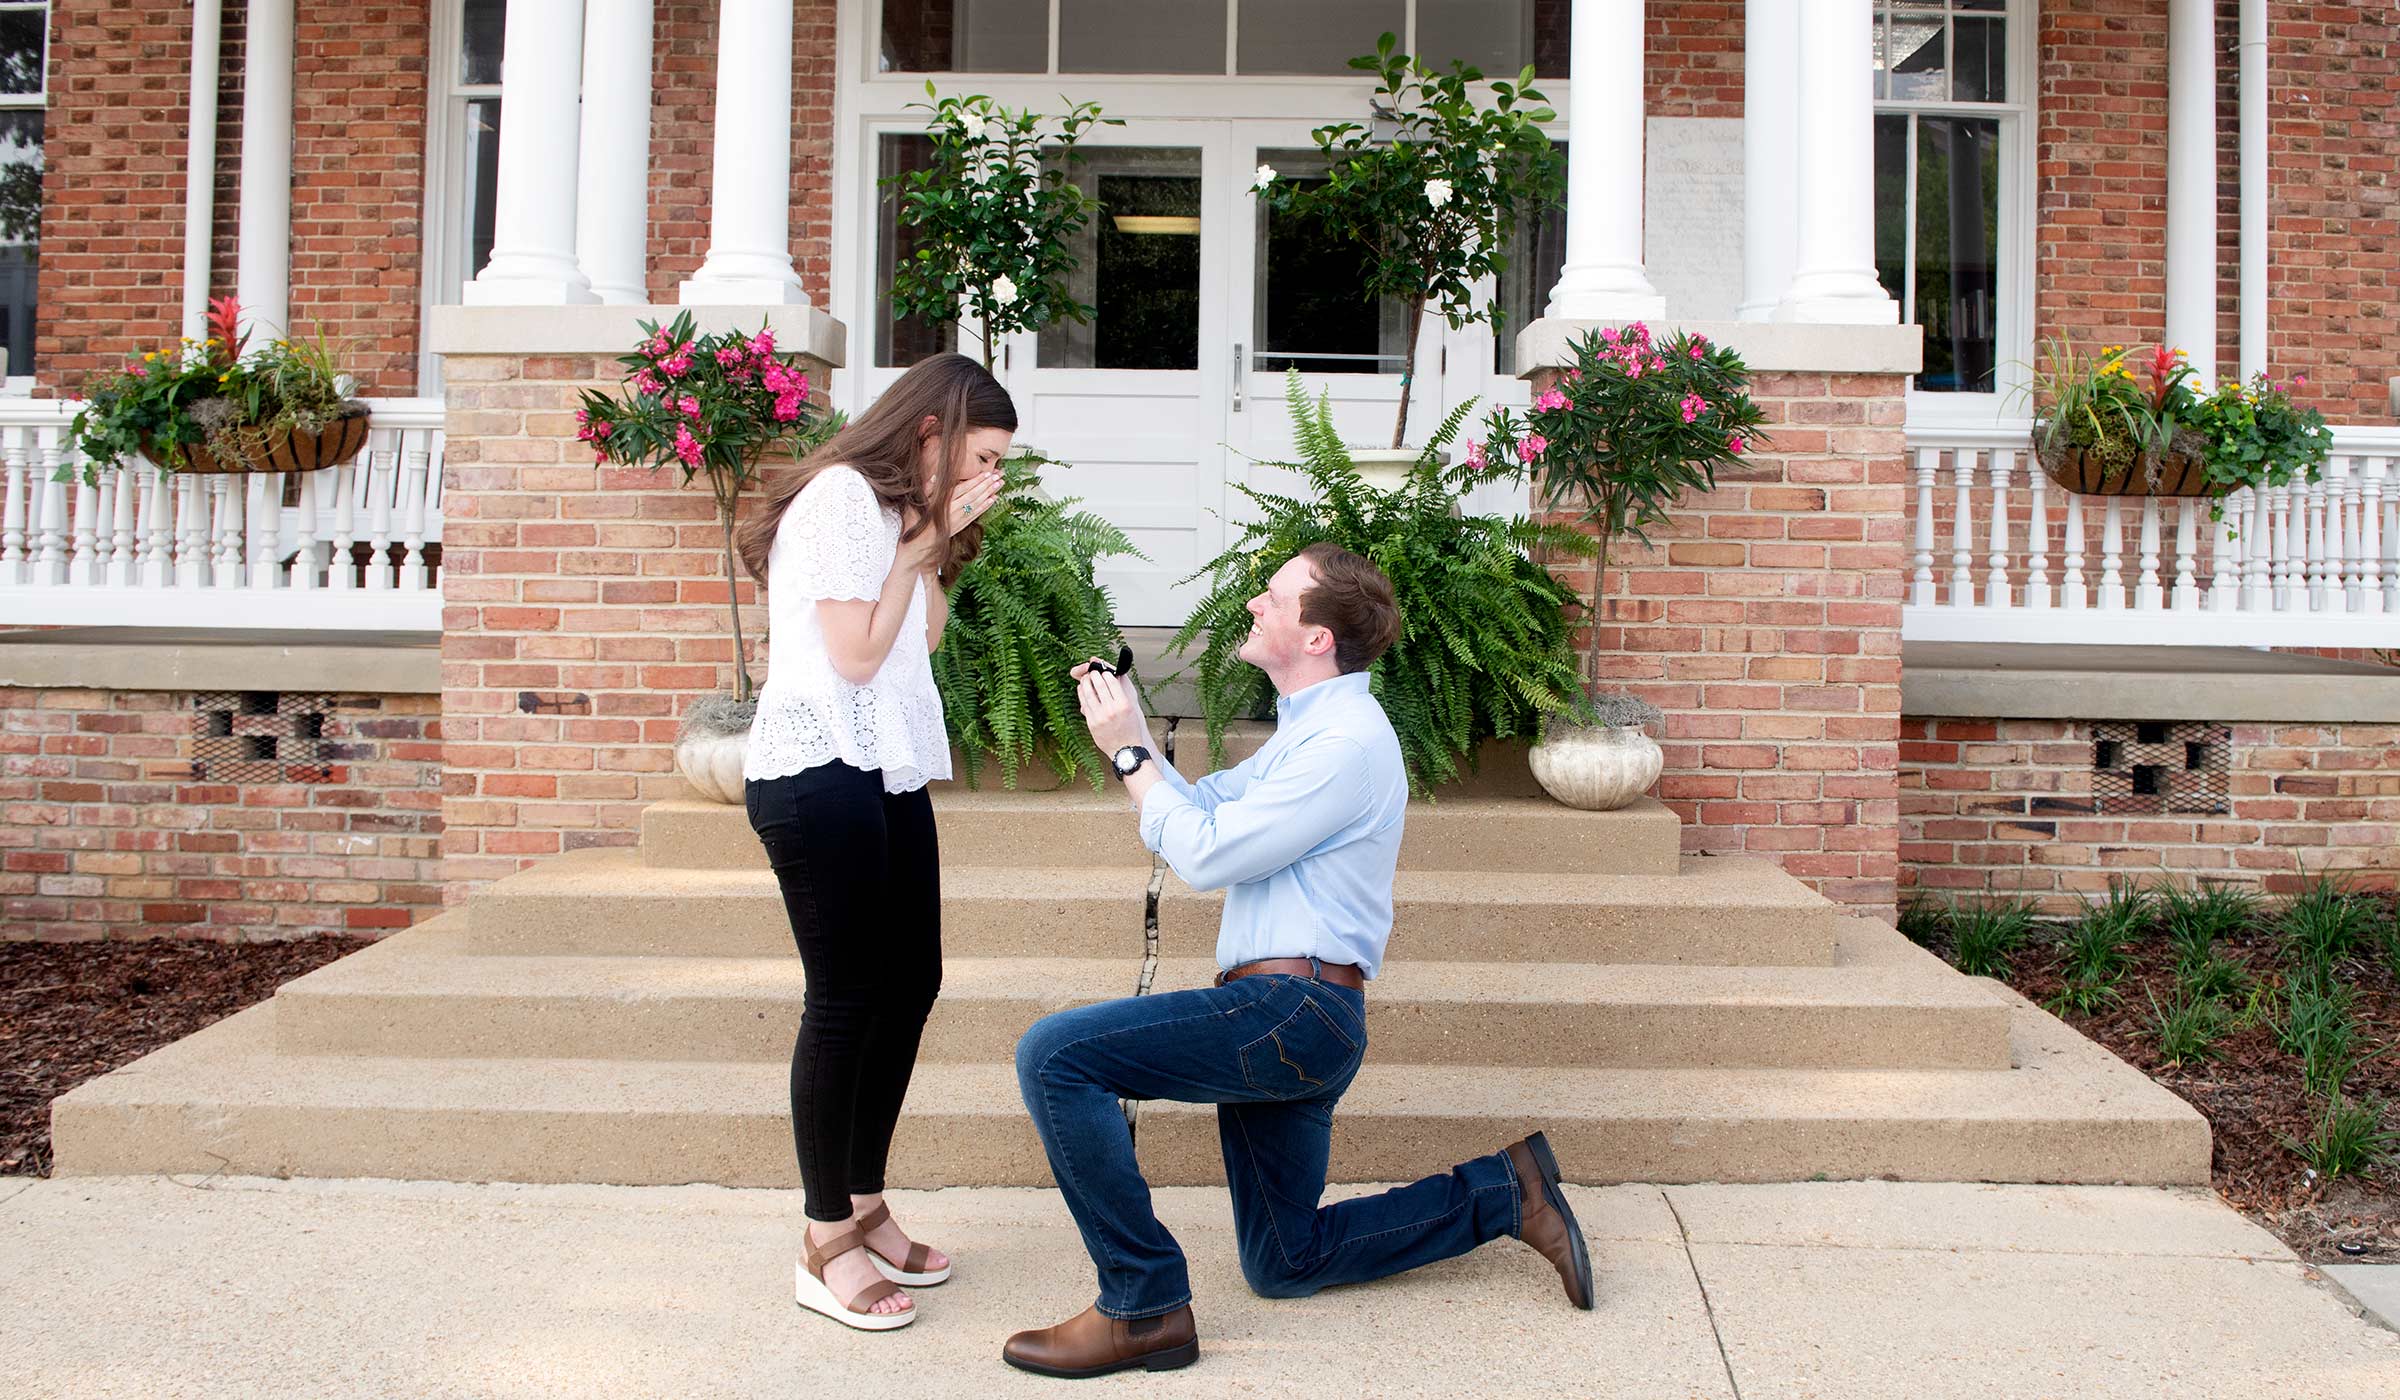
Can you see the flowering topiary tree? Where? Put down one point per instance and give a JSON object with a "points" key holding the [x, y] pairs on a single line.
{"points": [[993, 218], [1437, 199], [708, 405], [1626, 430]]}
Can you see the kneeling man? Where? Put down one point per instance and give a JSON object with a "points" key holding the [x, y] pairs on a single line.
{"points": [[1304, 839]]}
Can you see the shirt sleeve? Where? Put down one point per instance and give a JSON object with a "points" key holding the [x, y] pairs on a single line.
{"points": [[1314, 791], [837, 538], [1217, 787]]}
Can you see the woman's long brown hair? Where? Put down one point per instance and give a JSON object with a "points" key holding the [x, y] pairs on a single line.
{"points": [[884, 445]]}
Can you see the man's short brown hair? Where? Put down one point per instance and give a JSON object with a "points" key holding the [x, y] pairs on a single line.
{"points": [[1353, 600]]}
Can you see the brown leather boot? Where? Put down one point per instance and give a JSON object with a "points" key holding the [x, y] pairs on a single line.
{"points": [[1547, 1223], [1094, 1344]]}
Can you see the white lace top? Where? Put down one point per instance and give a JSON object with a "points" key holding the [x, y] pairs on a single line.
{"points": [[837, 541]]}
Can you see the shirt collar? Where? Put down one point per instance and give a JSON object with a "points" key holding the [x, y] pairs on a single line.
{"points": [[1314, 699]]}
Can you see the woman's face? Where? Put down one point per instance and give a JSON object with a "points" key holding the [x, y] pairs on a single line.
{"points": [[985, 447]]}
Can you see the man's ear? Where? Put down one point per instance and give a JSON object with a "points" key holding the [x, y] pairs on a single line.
{"points": [[1319, 641]]}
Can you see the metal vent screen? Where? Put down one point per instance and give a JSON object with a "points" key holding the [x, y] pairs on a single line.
{"points": [[2144, 767], [260, 736]]}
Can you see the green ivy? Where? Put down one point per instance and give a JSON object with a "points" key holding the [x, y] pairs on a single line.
{"points": [[1484, 649], [1022, 613]]}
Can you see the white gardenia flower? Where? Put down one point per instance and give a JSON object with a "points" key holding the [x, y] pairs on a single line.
{"points": [[1004, 291], [1266, 177], [1437, 192], [972, 124]]}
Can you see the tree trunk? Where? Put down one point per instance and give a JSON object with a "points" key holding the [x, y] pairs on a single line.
{"points": [[1591, 663], [743, 690], [1408, 368]]}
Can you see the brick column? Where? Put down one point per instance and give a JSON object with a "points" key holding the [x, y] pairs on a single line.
{"points": [[583, 606], [1765, 618]]}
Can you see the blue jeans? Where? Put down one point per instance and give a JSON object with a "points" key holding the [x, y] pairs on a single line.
{"points": [[1274, 1053]]}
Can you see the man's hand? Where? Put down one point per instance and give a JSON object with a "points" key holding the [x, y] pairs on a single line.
{"points": [[1111, 709]]}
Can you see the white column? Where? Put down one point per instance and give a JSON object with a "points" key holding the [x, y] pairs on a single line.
{"points": [[2254, 188], [1833, 276], [1770, 152], [749, 259], [2192, 183], [612, 198], [1602, 278], [200, 163], [263, 256], [533, 214]]}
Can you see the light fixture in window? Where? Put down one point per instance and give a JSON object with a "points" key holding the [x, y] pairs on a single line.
{"points": [[1186, 225]]}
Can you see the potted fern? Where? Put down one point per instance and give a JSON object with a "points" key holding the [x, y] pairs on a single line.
{"points": [[1628, 428], [1023, 611], [1485, 651]]}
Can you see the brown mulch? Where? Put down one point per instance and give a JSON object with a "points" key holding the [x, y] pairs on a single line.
{"points": [[74, 1011], [2252, 1094]]}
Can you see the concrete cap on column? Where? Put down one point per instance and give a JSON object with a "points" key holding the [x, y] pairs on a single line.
{"points": [[1764, 345], [594, 329]]}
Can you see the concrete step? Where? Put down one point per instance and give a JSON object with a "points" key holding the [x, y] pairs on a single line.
{"points": [[426, 993], [1733, 912], [222, 1101], [1078, 828]]}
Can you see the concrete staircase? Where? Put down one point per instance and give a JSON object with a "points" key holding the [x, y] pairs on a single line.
{"points": [[625, 1016]]}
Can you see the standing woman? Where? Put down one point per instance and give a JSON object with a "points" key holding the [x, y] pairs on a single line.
{"points": [[854, 547]]}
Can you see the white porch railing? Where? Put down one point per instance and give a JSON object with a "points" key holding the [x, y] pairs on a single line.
{"points": [[2003, 555], [342, 549]]}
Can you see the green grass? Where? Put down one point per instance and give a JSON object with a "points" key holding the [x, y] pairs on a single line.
{"points": [[2317, 1026], [1925, 921], [1983, 936], [2326, 925], [2196, 919], [2098, 942], [2211, 977], [2187, 1030], [2350, 1139]]}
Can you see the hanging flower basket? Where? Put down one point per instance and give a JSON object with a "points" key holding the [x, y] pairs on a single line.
{"points": [[292, 449], [2180, 471]]}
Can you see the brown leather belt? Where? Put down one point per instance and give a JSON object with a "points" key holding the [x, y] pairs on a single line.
{"points": [[1339, 974]]}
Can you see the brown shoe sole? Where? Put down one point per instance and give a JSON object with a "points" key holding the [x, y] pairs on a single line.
{"points": [[1539, 1148], [1165, 1359]]}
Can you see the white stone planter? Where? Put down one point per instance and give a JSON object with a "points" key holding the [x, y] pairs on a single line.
{"points": [[710, 749], [1599, 769]]}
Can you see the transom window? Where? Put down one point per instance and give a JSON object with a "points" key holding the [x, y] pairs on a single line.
{"points": [[24, 94], [1250, 38]]}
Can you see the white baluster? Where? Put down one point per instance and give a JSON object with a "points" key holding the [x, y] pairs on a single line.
{"points": [[304, 543], [50, 518], [13, 557], [125, 485], [1962, 529], [1921, 586], [381, 477], [415, 459], [157, 552], [2187, 545], [2072, 597], [2230, 532], [2320, 552], [192, 559], [229, 493], [1996, 591], [339, 575], [2279, 540], [2037, 564], [2258, 539], [2112, 557], [84, 563], [2351, 536], [2148, 596], [265, 494], [2371, 580]]}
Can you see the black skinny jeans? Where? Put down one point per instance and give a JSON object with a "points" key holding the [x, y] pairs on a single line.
{"points": [[862, 883]]}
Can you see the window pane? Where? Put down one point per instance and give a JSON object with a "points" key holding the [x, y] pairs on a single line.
{"points": [[1891, 206], [1535, 256], [1958, 251], [1979, 60], [1916, 56], [1550, 26], [901, 341], [1138, 264], [21, 49], [1142, 36], [483, 179], [1310, 314], [1313, 36], [20, 232], [479, 47], [1493, 35], [966, 36]]}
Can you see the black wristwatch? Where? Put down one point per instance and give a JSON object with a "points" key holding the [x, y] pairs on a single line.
{"points": [[1129, 760]]}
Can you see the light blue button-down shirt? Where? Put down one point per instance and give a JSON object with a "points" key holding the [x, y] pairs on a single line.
{"points": [[1303, 836]]}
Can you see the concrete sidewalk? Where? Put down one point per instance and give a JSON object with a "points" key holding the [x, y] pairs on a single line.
{"points": [[158, 1287]]}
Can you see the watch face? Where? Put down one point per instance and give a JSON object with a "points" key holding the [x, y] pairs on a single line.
{"points": [[1128, 759]]}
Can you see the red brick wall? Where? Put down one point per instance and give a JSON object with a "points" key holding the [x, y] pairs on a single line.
{"points": [[1765, 620], [104, 832], [1693, 67], [2004, 807]]}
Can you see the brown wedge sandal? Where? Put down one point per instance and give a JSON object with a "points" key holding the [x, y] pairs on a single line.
{"points": [[809, 1290], [914, 1270]]}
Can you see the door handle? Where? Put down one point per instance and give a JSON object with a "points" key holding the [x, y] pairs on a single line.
{"points": [[1240, 372]]}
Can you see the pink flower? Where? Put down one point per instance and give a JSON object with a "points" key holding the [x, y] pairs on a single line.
{"points": [[1609, 334], [139, 371], [1476, 457], [1657, 363], [690, 408], [1638, 333], [1693, 407], [1733, 444], [644, 382], [602, 429], [787, 407], [728, 356], [763, 344], [1699, 349], [1633, 369], [1574, 374], [1532, 447], [687, 447], [2299, 381], [1550, 401]]}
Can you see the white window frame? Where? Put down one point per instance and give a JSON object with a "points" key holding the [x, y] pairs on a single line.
{"points": [[442, 240], [2019, 121], [19, 382]]}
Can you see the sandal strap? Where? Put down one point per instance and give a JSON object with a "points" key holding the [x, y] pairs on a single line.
{"points": [[819, 1255], [919, 1256], [875, 1217], [866, 1298]]}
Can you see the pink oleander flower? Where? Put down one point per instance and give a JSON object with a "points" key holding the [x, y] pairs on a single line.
{"points": [[762, 345], [1550, 401], [1693, 407], [1532, 447], [687, 447], [602, 429], [1657, 364], [1733, 444], [644, 382], [1638, 333], [1574, 374], [729, 356], [1609, 334], [1633, 369], [678, 364], [689, 407], [787, 407], [1699, 348], [1476, 457]]}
